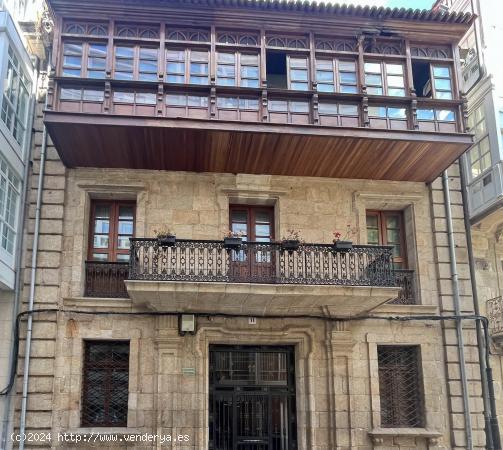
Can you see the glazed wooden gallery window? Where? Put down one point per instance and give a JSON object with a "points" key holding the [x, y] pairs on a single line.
{"points": [[256, 223], [237, 69], [84, 59], [384, 78], [112, 225], [336, 75], [105, 383], [400, 386], [298, 75], [135, 63], [387, 228], [187, 66], [442, 85]]}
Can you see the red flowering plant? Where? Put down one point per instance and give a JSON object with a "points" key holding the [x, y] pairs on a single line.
{"points": [[349, 233]]}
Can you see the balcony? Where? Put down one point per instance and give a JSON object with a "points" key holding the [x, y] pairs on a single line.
{"points": [[250, 130], [106, 279], [406, 280], [260, 278]]}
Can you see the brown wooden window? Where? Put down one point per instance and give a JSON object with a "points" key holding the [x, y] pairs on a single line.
{"points": [[335, 75], [237, 69], [112, 225], [84, 59], [442, 84], [400, 387], [136, 63], [384, 78], [105, 383], [298, 75], [189, 66], [387, 228], [256, 223]]}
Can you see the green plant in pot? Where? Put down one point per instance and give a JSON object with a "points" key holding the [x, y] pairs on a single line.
{"points": [[291, 241], [165, 237], [233, 239]]}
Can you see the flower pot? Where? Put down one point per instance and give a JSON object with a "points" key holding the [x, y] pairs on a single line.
{"points": [[233, 242], [166, 241], [290, 244], [343, 245]]}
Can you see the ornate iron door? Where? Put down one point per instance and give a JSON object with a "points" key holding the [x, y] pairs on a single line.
{"points": [[252, 398]]}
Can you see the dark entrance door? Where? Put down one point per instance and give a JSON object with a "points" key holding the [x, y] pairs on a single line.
{"points": [[252, 398], [255, 263]]}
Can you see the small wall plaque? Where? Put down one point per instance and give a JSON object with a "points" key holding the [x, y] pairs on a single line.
{"points": [[188, 371]]}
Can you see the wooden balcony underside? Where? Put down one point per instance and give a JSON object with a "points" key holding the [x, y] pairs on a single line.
{"points": [[85, 140]]}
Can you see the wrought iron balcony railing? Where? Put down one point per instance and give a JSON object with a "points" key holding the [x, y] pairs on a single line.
{"points": [[261, 262], [106, 279], [405, 279]]}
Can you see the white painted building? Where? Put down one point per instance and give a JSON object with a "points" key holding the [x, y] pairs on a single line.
{"points": [[17, 79]]}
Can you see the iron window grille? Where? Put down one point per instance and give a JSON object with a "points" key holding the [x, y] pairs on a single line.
{"points": [[400, 387], [105, 384]]}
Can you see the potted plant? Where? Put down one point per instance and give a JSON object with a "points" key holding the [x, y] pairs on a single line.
{"points": [[233, 239], [344, 243], [291, 241], [165, 237]]}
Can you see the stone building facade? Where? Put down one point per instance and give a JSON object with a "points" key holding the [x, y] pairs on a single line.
{"points": [[335, 334]]}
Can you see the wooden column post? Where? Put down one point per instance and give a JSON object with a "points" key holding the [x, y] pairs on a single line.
{"points": [[263, 57]]}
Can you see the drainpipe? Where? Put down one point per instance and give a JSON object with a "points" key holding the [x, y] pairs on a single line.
{"points": [[493, 440], [457, 311], [19, 244], [33, 269]]}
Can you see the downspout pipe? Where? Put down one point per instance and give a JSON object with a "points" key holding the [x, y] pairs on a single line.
{"points": [[19, 244], [457, 310], [493, 439], [33, 273]]}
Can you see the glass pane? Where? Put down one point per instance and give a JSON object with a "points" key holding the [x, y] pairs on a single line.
{"points": [[176, 100], [397, 113], [124, 65], [395, 81], [71, 72], [443, 95], [239, 227], [441, 71], [392, 221], [123, 257], [144, 98], [239, 216], [199, 56], [249, 83], [372, 67], [298, 75], [486, 162], [124, 97], [70, 94], [147, 77], [175, 55], [102, 211], [302, 107], [124, 52], [442, 83], [148, 53], [72, 61], [123, 75], [324, 76], [126, 212], [484, 145], [326, 87], [262, 230], [328, 108], [100, 241], [198, 80], [175, 79], [348, 110], [98, 50], [249, 72], [123, 242], [349, 89], [372, 236], [100, 256], [198, 69], [227, 102], [347, 65], [226, 71], [126, 227], [372, 221], [347, 77], [72, 49], [248, 103], [278, 105], [445, 115], [425, 114], [249, 59], [373, 79], [395, 69], [262, 217], [199, 101], [396, 92], [377, 111], [96, 63], [148, 66], [324, 64], [226, 58], [393, 236], [101, 226], [175, 67], [298, 62], [298, 86]]}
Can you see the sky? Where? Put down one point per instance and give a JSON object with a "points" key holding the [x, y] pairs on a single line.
{"points": [[415, 4]]}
